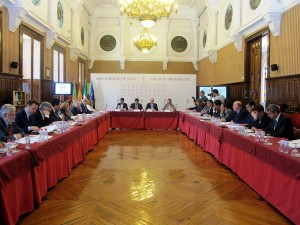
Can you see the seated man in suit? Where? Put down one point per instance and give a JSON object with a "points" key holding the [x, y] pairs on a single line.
{"points": [[281, 125], [199, 105], [152, 105], [8, 128], [136, 105], [226, 114], [240, 113], [216, 108], [122, 105], [83, 106], [249, 119], [24, 117], [261, 119], [208, 109], [55, 102], [42, 116]]}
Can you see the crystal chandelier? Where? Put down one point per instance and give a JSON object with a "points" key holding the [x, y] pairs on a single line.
{"points": [[144, 42], [147, 11]]}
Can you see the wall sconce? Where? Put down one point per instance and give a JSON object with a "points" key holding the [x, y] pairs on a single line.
{"points": [[14, 65], [274, 67]]}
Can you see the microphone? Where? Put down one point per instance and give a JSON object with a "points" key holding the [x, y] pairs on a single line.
{"points": [[141, 100], [165, 101], [187, 101]]}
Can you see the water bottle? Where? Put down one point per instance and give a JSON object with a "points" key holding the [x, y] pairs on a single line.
{"points": [[9, 147], [27, 142], [41, 138], [46, 134], [281, 146]]}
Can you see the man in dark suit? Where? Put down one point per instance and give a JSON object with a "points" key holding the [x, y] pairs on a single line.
{"points": [[208, 109], [152, 105], [8, 128], [216, 108], [281, 125], [42, 116], [122, 105], [136, 105], [261, 119], [240, 113], [83, 106], [24, 117], [55, 102]]}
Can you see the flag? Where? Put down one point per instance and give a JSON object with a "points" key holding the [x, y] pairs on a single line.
{"points": [[84, 90], [74, 92], [79, 95], [92, 95]]}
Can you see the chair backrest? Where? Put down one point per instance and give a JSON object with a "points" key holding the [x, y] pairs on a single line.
{"points": [[295, 117]]}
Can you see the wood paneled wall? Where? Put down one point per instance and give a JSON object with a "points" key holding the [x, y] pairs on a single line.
{"points": [[143, 67], [228, 69], [8, 84], [285, 49], [284, 90]]}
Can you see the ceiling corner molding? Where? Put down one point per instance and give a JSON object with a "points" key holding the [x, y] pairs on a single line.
{"points": [[238, 41], [273, 19], [51, 37], [91, 63], [15, 16], [122, 63], [74, 53], [213, 56], [195, 64]]}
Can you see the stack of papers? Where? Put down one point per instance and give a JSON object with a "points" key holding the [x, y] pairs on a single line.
{"points": [[33, 139], [292, 143]]}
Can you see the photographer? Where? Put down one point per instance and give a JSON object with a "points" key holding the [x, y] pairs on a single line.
{"points": [[215, 94]]}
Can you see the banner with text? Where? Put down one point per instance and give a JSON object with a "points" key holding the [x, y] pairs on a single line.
{"points": [[109, 88]]}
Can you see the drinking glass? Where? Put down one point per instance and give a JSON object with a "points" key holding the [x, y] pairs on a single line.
{"points": [[15, 145], [267, 140], [256, 135], [295, 152], [262, 136]]}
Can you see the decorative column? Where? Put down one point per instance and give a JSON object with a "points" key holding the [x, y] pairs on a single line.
{"points": [[122, 21], [195, 23], [212, 9], [165, 43], [51, 35]]}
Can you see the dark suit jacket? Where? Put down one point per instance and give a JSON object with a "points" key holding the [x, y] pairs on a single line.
{"points": [[54, 116], [229, 115], [216, 113], [208, 110], [39, 121], [148, 106], [23, 122], [263, 123], [4, 136], [75, 110], [124, 106], [240, 116], [140, 106], [84, 109], [284, 128]]}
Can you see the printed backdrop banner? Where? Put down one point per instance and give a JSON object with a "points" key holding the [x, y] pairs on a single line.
{"points": [[109, 88]]}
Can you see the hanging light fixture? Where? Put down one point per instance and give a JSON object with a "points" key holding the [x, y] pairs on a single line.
{"points": [[144, 42], [147, 11]]}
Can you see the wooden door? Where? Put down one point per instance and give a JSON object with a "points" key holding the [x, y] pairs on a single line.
{"points": [[255, 70]]}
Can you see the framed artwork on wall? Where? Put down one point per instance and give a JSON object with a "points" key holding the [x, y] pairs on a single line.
{"points": [[19, 98], [47, 73]]}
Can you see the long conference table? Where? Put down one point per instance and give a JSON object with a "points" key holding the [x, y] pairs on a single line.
{"points": [[27, 176]]}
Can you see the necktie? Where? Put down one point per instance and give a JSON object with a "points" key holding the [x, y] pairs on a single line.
{"points": [[275, 124], [9, 130]]}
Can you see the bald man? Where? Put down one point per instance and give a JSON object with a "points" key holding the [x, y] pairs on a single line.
{"points": [[152, 105], [240, 114]]}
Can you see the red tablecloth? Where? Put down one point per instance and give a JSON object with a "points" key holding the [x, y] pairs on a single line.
{"points": [[27, 176], [127, 119], [272, 174], [144, 120]]}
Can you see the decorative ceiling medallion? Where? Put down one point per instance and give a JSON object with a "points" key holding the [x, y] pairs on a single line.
{"points": [[108, 43], [254, 4], [35, 2], [204, 39], [179, 44], [228, 17], [60, 14], [82, 36]]}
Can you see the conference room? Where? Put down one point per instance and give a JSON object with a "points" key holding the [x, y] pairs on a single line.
{"points": [[149, 112]]}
